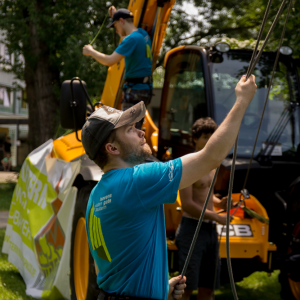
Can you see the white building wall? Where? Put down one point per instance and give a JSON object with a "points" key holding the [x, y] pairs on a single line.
{"points": [[11, 109]]}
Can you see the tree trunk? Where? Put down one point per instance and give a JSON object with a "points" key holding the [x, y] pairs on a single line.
{"points": [[42, 102]]}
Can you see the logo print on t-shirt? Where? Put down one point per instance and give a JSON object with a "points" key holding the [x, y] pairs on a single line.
{"points": [[96, 236], [148, 52], [171, 170]]}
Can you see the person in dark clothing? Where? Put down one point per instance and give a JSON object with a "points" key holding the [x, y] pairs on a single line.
{"points": [[6, 161]]}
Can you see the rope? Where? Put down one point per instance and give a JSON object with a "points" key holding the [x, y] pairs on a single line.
{"points": [[199, 224], [251, 67], [259, 35], [228, 220], [267, 97], [93, 40]]}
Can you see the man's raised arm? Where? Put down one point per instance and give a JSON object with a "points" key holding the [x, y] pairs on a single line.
{"points": [[198, 164]]}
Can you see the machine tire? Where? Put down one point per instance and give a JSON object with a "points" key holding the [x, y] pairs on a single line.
{"points": [[290, 289], [83, 278]]}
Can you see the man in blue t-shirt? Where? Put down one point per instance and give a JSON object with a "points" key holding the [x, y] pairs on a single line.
{"points": [[125, 215], [136, 48]]}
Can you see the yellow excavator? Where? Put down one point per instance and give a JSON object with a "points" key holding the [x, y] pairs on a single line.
{"points": [[199, 82]]}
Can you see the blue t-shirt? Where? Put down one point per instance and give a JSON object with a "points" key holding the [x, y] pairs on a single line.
{"points": [[126, 228], [136, 48]]}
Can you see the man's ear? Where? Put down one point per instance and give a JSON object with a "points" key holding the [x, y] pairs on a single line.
{"points": [[122, 21], [112, 149]]}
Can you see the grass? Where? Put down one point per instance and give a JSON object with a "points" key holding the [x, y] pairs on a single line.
{"points": [[6, 192], [258, 285], [12, 286]]}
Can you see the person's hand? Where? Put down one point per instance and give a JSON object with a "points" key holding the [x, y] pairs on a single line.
{"points": [[222, 219], [176, 287], [87, 50], [223, 203], [111, 11], [245, 90]]}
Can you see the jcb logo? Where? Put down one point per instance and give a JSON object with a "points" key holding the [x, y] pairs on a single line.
{"points": [[235, 230]]}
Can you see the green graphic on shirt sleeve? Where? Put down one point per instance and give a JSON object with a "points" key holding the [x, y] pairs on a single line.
{"points": [[148, 52], [96, 236]]}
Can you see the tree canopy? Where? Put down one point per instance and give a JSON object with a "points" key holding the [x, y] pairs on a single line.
{"points": [[240, 20], [50, 35]]}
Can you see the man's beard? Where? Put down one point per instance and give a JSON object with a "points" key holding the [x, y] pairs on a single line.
{"points": [[133, 155]]}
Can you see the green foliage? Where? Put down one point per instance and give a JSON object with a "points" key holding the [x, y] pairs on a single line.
{"points": [[238, 21], [63, 28], [6, 192]]}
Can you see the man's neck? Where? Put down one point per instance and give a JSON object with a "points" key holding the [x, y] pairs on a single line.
{"points": [[116, 164], [130, 28]]}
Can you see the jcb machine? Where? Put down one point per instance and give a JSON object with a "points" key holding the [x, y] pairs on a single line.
{"points": [[200, 82]]}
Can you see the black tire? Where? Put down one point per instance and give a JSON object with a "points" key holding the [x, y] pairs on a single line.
{"points": [[285, 293], [289, 274], [92, 290]]}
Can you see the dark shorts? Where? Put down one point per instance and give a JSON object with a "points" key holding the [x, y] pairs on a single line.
{"points": [[132, 97], [204, 263]]}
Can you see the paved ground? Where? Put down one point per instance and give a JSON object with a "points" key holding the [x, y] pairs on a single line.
{"points": [[3, 219], [8, 177]]}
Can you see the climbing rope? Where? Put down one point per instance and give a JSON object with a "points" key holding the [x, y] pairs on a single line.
{"points": [[199, 223], [250, 70], [251, 67], [93, 40], [267, 96]]}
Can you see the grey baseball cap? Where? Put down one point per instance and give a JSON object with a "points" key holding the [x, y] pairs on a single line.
{"points": [[120, 13], [103, 121]]}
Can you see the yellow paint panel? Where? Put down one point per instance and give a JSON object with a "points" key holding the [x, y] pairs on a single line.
{"points": [[240, 247], [171, 52], [68, 147], [249, 247], [151, 132]]}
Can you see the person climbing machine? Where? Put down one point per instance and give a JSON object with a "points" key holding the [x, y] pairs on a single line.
{"points": [[135, 47]]}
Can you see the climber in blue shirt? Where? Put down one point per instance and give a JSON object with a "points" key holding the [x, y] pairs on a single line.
{"points": [[136, 49]]}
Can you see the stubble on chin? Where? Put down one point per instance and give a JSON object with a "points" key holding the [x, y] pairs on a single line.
{"points": [[136, 156]]}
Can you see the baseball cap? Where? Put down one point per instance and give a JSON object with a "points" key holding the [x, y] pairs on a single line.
{"points": [[103, 121], [120, 13]]}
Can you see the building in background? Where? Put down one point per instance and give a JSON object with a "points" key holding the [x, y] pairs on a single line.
{"points": [[13, 107]]}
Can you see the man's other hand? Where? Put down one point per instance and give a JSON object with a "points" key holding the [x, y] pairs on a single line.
{"points": [[222, 219], [176, 287], [87, 50], [111, 11], [222, 203], [245, 90]]}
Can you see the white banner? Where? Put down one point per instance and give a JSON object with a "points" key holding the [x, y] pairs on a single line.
{"points": [[38, 233]]}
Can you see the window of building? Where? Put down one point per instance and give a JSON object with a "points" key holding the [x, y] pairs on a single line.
{"points": [[21, 94], [6, 57], [5, 97]]}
